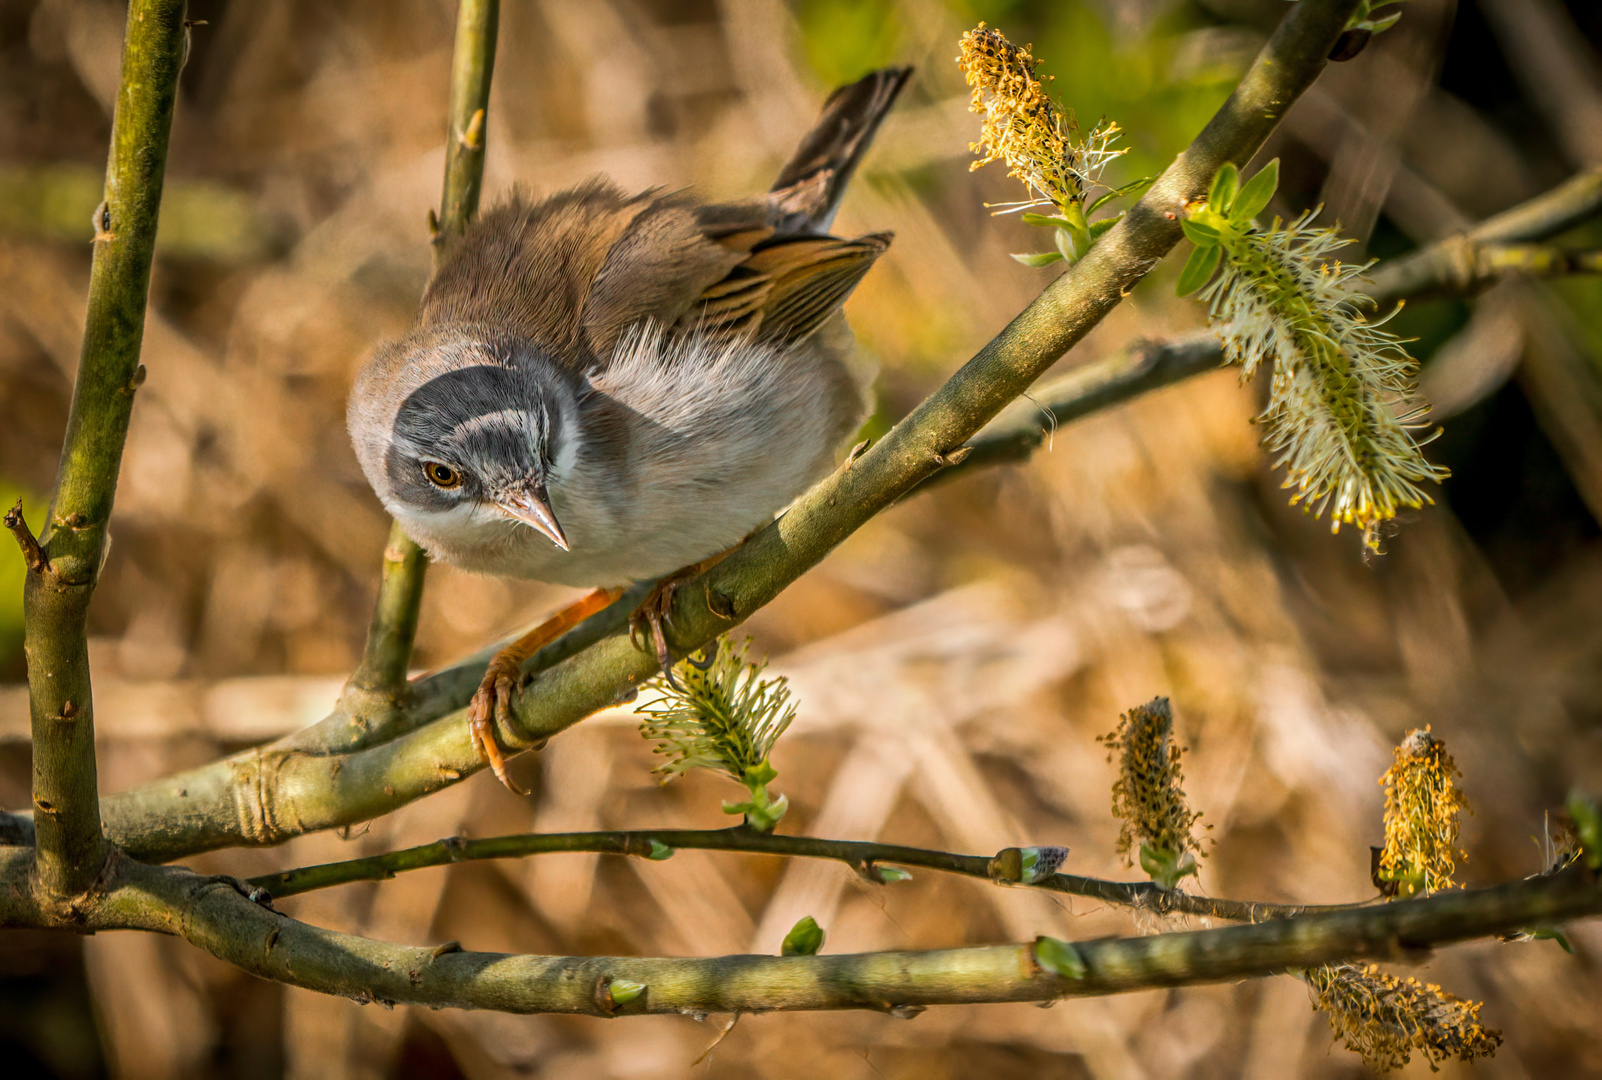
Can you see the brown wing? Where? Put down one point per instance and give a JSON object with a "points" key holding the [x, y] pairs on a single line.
{"points": [[529, 267], [573, 271], [786, 288], [659, 268]]}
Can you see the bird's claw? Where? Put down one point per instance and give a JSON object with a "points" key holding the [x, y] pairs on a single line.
{"points": [[492, 704], [709, 654], [649, 618]]}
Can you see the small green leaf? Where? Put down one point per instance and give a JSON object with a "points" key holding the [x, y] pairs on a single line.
{"points": [[761, 773], [1255, 193], [1167, 868], [1097, 228], [1379, 26], [1587, 818], [659, 851], [804, 939], [1199, 234], [624, 991], [1059, 957], [1552, 933], [1039, 258], [1198, 269], [1072, 242], [1225, 185], [766, 818], [1131, 188], [1042, 219], [888, 875]]}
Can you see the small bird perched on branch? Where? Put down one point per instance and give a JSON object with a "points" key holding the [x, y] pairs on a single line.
{"points": [[602, 388]]}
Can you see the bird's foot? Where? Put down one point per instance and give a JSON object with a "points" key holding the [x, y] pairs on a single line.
{"points": [[649, 618], [657, 611], [492, 702]]}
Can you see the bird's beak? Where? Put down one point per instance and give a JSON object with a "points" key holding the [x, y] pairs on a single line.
{"points": [[532, 506]]}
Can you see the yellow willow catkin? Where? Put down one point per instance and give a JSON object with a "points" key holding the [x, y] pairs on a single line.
{"points": [[1386, 1018], [1422, 804], [1024, 127], [726, 717], [1148, 797], [1337, 417]]}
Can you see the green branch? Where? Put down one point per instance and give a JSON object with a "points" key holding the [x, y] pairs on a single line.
{"points": [[269, 795], [380, 679], [72, 547], [1459, 265], [215, 915], [861, 855], [1435, 266]]}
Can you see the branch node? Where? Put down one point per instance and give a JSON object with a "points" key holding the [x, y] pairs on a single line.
{"points": [[473, 137], [720, 605], [101, 222], [136, 381]]}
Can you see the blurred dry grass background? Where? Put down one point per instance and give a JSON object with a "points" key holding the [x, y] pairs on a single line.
{"points": [[953, 661]]}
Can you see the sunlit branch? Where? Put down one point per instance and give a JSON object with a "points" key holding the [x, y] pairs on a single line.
{"points": [[65, 565]]}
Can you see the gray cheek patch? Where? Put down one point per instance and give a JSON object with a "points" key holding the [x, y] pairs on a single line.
{"points": [[476, 419]]}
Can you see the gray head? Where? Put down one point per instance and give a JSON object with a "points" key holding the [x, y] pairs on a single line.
{"points": [[464, 431]]}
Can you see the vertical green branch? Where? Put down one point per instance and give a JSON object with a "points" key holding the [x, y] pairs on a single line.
{"points": [[400, 588], [73, 543], [471, 68]]}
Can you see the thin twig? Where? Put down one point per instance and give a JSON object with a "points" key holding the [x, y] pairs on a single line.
{"points": [[1146, 895], [1573, 202]]}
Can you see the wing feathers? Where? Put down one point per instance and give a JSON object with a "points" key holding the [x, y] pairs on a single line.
{"points": [[787, 288]]}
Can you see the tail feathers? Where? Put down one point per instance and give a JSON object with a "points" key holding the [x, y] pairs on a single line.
{"points": [[808, 190]]}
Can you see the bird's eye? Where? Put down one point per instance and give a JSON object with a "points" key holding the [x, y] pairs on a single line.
{"points": [[441, 475]]}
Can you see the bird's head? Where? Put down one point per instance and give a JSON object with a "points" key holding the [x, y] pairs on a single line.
{"points": [[459, 430]]}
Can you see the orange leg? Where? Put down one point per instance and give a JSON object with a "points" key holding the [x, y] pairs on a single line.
{"points": [[492, 703]]}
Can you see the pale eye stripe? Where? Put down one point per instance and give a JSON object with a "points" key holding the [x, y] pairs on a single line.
{"points": [[440, 406]]}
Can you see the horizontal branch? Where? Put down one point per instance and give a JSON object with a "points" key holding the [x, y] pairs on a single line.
{"points": [[214, 914], [861, 855], [1573, 202]]}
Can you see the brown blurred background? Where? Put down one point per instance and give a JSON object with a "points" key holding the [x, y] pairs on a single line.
{"points": [[953, 661]]}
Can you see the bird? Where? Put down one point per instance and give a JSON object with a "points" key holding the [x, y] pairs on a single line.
{"points": [[602, 389]]}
